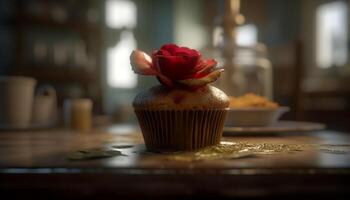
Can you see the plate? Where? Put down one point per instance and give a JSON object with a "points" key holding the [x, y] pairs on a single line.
{"points": [[278, 127]]}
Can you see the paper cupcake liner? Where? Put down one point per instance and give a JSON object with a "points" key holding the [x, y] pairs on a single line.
{"points": [[170, 130]]}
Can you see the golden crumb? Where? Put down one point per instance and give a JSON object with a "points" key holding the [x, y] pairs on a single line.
{"points": [[251, 100]]}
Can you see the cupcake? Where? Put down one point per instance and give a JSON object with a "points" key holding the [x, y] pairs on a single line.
{"points": [[183, 112]]}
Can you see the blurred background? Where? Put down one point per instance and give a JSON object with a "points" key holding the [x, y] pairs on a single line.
{"points": [[82, 48]]}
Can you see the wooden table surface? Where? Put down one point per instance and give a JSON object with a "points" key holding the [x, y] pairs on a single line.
{"points": [[36, 162]]}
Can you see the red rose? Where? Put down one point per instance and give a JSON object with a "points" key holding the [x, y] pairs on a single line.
{"points": [[176, 65]]}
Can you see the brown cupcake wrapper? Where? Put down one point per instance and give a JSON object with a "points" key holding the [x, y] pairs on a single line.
{"points": [[171, 130]]}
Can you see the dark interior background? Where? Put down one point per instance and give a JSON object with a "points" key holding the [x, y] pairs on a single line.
{"points": [[33, 32]]}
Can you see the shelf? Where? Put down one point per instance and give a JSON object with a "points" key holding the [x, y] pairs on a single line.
{"points": [[69, 25], [56, 74], [43, 24]]}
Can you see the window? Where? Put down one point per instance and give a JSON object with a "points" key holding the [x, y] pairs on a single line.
{"points": [[247, 35], [331, 34], [119, 73], [121, 15]]}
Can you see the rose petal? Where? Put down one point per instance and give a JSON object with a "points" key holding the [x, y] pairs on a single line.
{"points": [[175, 67], [165, 80], [161, 78], [141, 63], [205, 67], [171, 48], [184, 51], [197, 82], [161, 53], [175, 50], [175, 64]]}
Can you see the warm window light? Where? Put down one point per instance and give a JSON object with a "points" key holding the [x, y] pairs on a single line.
{"points": [[119, 70], [218, 36], [121, 14], [331, 34], [247, 35]]}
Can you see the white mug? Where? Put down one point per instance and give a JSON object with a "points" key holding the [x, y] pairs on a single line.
{"points": [[16, 101]]}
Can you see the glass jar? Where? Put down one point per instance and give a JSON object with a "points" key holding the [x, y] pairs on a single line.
{"points": [[249, 72]]}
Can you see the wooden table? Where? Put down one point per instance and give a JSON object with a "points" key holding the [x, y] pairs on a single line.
{"points": [[34, 163]]}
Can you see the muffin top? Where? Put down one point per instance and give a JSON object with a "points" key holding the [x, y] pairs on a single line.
{"points": [[164, 98]]}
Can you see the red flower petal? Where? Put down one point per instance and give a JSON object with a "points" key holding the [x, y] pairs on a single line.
{"points": [[205, 67], [165, 80], [171, 48], [175, 50], [141, 63], [162, 53], [176, 64], [184, 51], [197, 82], [175, 67]]}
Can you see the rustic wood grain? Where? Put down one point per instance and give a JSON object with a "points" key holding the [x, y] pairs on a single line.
{"points": [[39, 158]]}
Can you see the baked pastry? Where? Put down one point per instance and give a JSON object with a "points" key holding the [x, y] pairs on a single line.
{"points": [[184, 112], [164, 98], [251, 100]]}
